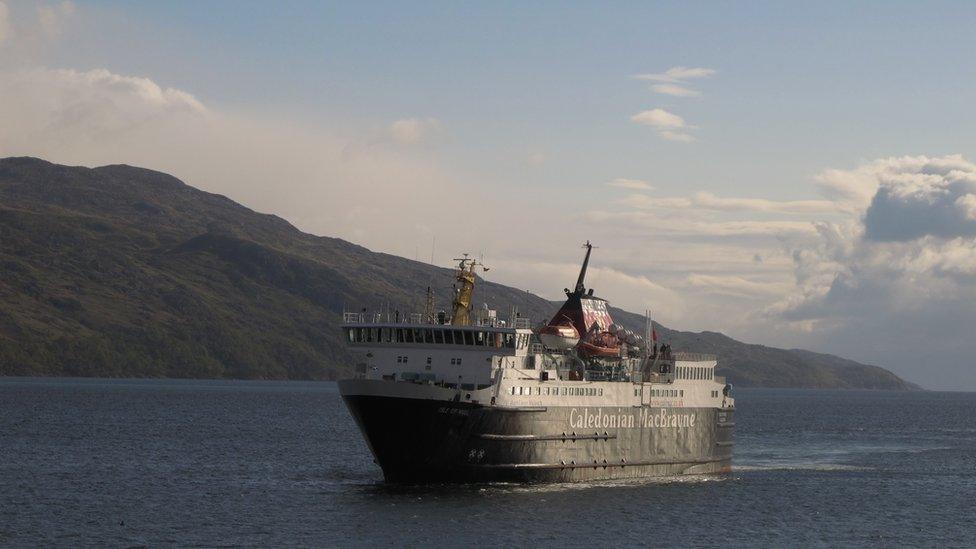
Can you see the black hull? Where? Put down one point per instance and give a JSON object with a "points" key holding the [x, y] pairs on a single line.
{"points": [[418, 440]]}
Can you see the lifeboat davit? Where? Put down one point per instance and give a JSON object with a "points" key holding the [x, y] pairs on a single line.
{"points": [[559, 336]]}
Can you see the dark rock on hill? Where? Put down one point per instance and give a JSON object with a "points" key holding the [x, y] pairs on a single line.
{"points": [[120, 271]]}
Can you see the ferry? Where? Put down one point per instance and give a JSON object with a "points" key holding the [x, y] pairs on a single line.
{"points": [[468, 397]]}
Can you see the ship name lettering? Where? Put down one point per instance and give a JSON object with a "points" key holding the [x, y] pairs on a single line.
{"points": [[587, 419]]}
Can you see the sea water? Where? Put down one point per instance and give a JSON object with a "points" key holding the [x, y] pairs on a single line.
{"points": [[122, 463]]}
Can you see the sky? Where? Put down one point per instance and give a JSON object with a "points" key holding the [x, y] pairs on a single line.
{"points": [[791, 174]]}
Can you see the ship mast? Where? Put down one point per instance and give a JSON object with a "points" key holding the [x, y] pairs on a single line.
{"points": [[463, 295], [429, 307], [586, 261]]}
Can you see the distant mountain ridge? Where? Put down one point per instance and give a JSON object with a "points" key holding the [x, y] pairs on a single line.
{"points": [[120, 271]]}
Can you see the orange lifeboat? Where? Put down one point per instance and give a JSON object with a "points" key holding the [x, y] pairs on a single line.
{"points": [[601, 344]]}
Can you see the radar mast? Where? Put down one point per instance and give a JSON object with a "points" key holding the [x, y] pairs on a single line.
{"points": [[465, 276]]}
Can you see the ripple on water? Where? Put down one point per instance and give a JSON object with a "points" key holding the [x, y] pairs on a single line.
{"points": [[283, 464]]}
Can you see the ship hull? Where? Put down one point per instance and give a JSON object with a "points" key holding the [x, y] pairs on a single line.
{"points": [[417, 437]]}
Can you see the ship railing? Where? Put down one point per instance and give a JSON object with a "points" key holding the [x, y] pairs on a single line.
{"points": [[522, 322], [382, 318], [489, 322], [693, 357], [353, 318], [536, 349]]}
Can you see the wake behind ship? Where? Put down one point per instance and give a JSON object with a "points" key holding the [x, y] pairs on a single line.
{"points": [[468, 397]]}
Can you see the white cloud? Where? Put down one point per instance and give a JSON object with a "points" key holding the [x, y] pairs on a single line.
{"points": [[858, 186], [659, 119], [967, 206], [675, 90], [668, 125], [633, 184], [735, 286], [677, 74], [413, 130], [685, 226], [898, 284], [708, 201], [61, 106]]}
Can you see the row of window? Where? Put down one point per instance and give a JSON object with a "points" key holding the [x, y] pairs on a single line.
{"points": [[694, 372], [661, 392], [591, 391], [437, 336], [405, 359], [557, 391]]}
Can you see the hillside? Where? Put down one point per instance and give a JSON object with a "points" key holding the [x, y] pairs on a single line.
{"points": [[125, 272]]}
